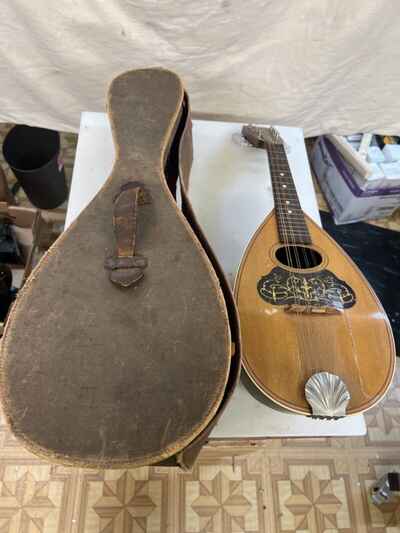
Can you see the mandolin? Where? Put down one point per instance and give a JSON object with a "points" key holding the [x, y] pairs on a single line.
{"points": [[316, 340]]}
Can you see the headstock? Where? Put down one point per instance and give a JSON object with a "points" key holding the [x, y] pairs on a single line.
{"points": [[261, 137]]}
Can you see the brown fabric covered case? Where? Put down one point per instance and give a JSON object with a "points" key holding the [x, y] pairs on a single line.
{"points": [[123, 348]]}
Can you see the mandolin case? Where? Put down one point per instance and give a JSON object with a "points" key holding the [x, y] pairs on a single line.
{"points": [[123, 347]]}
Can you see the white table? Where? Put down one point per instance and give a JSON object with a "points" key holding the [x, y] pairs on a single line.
{"points": [[230, 191]]}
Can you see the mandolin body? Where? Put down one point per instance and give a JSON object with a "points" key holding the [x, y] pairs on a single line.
{"points": [[283, 349]]}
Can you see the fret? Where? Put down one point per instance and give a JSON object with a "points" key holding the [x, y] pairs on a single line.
{"points": [[292, 226], [297, 222], [292, 218], [291, 195], [290, 208], [291, 232], [290, 213]]}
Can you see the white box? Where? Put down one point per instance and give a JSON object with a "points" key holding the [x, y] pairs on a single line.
{"points": [[375, 155], [351, 196], [374, 180], [391, 172], [391, 152]]}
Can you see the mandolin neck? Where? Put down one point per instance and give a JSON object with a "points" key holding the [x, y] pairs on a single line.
{"points": [[292, 227]]}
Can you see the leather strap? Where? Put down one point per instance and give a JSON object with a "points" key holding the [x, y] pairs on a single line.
{"points": [[125, 267]]}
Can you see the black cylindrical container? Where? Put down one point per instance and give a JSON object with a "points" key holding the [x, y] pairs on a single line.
{"points": [[34, 156]]}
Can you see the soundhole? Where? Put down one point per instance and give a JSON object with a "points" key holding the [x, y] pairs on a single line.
{"points": [[296, 256]]}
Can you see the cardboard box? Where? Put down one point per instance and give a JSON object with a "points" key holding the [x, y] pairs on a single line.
{"points": [[353, 191]]}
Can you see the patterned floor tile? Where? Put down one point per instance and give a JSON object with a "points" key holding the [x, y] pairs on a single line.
{"points": [[384, 518], [123, 501], [10, 447], [312, 495], [35, 497], [383, 421], [315, 442], [222, 495]]}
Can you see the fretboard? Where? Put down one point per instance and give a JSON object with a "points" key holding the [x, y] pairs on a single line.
{"points": [[292, 226]]}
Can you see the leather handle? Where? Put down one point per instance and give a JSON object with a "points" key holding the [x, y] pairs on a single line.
{"points": [[126, 268]]}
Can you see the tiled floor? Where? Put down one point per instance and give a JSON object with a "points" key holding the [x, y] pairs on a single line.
{"points": [[305, 485], [277, 485]]}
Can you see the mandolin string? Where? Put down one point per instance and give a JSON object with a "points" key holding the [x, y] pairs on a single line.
{"points": [[293, 257], [291, 252], [284, 224], [310, 333], [285, 163], [304, 332], [305, 322], [300, 333]]}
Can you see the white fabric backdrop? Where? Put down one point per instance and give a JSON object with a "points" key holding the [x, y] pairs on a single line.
{"points": [[324, 65]]}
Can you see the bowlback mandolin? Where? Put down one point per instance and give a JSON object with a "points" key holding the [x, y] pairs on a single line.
{"points": [[316, 340]]}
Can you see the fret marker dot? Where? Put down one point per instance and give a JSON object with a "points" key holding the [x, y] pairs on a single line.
{"points": [[289, 211], [287, 201], [282, 174], [284, 186]]}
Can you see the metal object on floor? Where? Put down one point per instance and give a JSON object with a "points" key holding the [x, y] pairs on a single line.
{"points": [[384, 490]]}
